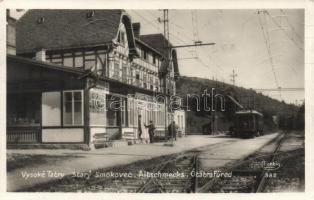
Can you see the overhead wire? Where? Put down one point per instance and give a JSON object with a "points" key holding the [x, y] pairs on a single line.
{"points": [[290, 25], [178, 39], [266, 40], [284, 31]]}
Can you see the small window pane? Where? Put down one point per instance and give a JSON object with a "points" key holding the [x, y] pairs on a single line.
{"points": [[78, 61], [89, 64], [77, 96], [68, 61], [68, 113], [78, 113], [68, 96]]}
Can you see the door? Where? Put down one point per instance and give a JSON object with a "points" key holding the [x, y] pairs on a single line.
{"points": [[144, 120]]}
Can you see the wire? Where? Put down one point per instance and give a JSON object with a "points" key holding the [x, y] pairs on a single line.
{"points": [[266, 39], [268, 49], [177, 38], [291, 27], [283, 30]]}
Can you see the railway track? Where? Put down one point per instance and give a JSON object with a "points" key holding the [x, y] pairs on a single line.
{"points": [[245, 179], [172, 174], [169, 176]]}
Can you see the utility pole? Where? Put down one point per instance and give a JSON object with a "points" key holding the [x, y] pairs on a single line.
{"points": [[233, 76], [168, 60]]}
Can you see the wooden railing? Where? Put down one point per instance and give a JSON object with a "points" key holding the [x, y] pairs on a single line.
{"points": [[24, 134]]}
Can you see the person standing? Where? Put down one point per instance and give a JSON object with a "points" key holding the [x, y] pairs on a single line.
{"points": [[151, 129], [172, 130], [139, 127]]}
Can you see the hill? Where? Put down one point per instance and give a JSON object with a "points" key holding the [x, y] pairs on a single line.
{"points": [[277, 114]]}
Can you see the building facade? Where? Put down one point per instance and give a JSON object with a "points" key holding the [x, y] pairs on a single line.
{"points": [[81, 74]]}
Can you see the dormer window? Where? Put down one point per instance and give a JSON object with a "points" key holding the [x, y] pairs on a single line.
{"points": [[90, 14], [40, 20], [121, 37], [144, 54]]}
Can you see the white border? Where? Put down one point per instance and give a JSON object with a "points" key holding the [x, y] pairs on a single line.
{"points": [[308, 5]]}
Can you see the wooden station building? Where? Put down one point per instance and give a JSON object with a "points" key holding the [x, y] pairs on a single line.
{"points": [[79, 74]]}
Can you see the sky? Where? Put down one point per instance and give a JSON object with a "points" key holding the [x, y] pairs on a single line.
{"points": [[264, 49]]}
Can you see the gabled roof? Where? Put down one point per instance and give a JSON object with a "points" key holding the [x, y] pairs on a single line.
{"points": [[61, 29], [158, 42]]}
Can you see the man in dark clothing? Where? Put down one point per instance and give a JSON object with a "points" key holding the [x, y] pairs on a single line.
{"points": [[172, 130], [151, 129], [139, 127]]}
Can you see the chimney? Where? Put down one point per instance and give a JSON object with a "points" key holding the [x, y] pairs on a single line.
{"points": [[11, 44], [136, 29], [41, 55]]}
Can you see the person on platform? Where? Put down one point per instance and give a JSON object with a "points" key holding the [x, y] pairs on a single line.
{"points": [[172, 130], [139, 127], [151, 130]]}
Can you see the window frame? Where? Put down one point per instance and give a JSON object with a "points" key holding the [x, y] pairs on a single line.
{"points": [[72, 107]]}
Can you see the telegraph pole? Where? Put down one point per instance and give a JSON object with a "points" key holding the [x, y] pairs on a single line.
{"points": [[233, 76], [168, 58]]}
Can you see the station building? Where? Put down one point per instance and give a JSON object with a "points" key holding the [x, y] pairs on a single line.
{"points": [[77, 75]]}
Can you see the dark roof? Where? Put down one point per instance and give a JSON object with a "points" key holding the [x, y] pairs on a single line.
{"points": [[158, 42], [46, 65], [67, 29], [75, 71]]}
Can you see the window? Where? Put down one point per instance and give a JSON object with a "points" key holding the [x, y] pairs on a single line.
{"points": [[160, 115], [40, 20], [121, 38], [78, 60], [137, 79], [116, 70], [154, 59], [112, 110], [90, 61], [131, 112], [131, 76], [48, 57], [123, 113], [151, 82], [145, 79], [97, 109], [56, 59], [100, 60], [124, 73], [51, 108], [73, 108], [68, 61], [144, 54]]}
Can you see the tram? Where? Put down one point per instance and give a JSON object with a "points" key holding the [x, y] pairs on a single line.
{"points": [[248, 123]]}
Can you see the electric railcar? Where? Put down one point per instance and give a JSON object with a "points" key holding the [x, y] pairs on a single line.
{"points": [[248, 123]]}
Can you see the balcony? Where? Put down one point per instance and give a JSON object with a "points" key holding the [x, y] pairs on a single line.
{"points": [[145, 64]]}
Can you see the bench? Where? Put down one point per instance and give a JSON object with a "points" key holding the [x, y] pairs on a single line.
{"points": [[101, 140]]}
